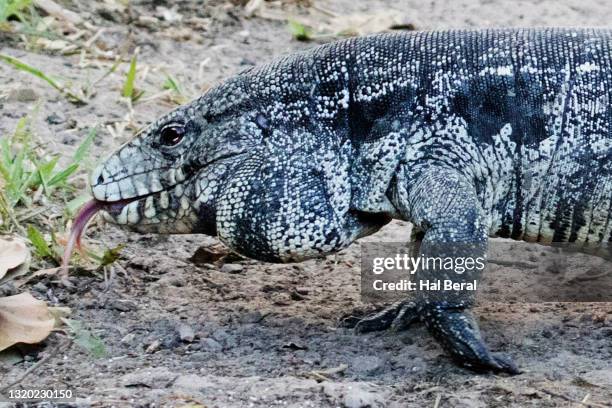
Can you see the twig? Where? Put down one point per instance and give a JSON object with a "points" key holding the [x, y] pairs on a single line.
{"points": [[317, 376], [201, 66], [321, 375], [334, 370], [575, 401], [438, 400], [430, 390], [53, 9], [15, 222], [94, 38], [38, 364], [26, 216]]}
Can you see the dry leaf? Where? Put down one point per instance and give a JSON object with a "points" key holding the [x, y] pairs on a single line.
{"points": [[23, 319], [13, 253]]}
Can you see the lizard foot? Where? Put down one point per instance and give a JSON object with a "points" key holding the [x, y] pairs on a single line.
{"points": [[453, 327], [457, 331], [396, 317]]}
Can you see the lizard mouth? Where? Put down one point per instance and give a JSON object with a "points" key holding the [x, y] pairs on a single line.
{"points": [[87, 212]]}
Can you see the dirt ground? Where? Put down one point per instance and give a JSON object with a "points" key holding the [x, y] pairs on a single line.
{"points": [[241, 333]]}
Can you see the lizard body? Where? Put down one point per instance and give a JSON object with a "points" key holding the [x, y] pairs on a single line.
{"points": [[467, 134]]}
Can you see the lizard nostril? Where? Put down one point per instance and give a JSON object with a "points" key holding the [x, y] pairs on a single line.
{"points": [[100, 179]]}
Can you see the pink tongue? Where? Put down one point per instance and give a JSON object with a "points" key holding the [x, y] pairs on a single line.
{"points": [[80, 222]]}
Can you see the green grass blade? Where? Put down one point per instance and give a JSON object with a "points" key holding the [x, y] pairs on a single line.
{"points": [[40, 244], [44, 172], [172, 84], [84, 147], [47, 168], [17, 169], [6, 151], [128, 86], [4, 173], [5, 159], [111, 255], [22, 66], [29, 180], [63, 175]]}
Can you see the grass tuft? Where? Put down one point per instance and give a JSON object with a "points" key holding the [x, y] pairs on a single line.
{"points": [[178, 94], [13, 8], [26, 173], [299, 31]]}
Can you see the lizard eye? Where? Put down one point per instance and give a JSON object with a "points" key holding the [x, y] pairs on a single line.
{"points": [[171, 134]]}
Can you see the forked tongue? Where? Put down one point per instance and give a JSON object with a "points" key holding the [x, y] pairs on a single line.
{"points": [[78, 226]]}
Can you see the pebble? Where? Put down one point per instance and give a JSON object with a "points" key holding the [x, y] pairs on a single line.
{"points": [[355, 394], [128, 338], [407, 339], [123, 305], [232, 268], [547, 333], [40, 287], [186, 333], [599, 317], [224, 338], [170, 342], [22, 95], [251, 317], [55, 119], [367, 365], [211, 344], [158, 377], [176, 281], [206, 255], [153, 347]]}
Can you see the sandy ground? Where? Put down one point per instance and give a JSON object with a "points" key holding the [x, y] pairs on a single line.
{"points": [[254, 333]]}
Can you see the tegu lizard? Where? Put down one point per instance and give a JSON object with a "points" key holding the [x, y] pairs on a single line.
{"points": [[466, 134]]}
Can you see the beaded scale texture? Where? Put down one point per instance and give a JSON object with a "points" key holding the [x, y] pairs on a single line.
{"points": [[466, 134]]}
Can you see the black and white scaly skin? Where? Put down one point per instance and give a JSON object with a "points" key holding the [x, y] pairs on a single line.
{"points": [[467, 134]]}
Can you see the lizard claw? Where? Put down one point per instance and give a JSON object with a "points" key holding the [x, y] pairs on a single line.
{"points": [[396, 317], [457, 331]]}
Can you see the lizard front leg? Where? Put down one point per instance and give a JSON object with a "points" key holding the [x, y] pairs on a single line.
{"points": [[443, 205]]}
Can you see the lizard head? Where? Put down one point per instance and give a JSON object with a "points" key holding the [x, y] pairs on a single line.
{"points": [[166, 178]]}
